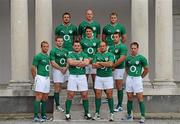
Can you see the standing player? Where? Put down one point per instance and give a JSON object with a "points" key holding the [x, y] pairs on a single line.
{"points": [[111, 28], [77, 81], [67, 30], [103, 61], [90, 45], [40, 74], [120, 51], [58, 57], [134, 84], [91, 23]]}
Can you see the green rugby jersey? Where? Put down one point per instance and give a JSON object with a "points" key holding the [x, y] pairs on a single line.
{"points": [[134, 65], [59, 56], [110, 29], [41, 62], [90, 46], [68, 33], [104, 57], [74, 70], [119, 50], [94, 25]]}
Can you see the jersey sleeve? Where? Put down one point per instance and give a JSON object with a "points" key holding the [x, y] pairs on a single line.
{"points": [[75, 33], [112, 58], [94, 59], [80, 29], [85, 56], [104, 31], [98, 29], [144, 61], [126, 62], [71, 56], [52, 55], [123, 30], [57, 31], [98, 43], [124, 50], [35, 61]]}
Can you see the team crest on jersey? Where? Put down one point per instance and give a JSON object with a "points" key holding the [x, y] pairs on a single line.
{"points": [[94, 28], [70, 31], [106, 59], [129, 62], [116, 50], [81, 58], [137, 62], [94, 44], [118, 30], [44, 60]]}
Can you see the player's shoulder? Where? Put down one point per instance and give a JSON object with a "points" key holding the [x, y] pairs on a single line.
{"points": [[96, 22], [120, 24], [83, 22], [59, 26], [107, 26], [122, 45], [141, 56]]}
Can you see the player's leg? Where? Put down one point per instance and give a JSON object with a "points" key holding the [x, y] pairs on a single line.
{"points": [[130, 93], [38, 98], [139, 93], [57, 87], [58, 79], [84, 95], [70, 96], [43, 107], [129, 103], [109, 94], [118, 78], [98, 100]]}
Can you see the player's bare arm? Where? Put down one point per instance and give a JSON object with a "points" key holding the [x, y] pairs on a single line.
{"points": [[33, 71], [55, 65], [119, 61], [83, 63], [96, 65], [145, 72], [103, 37], [124, 38], [106, 64], [73, 62]]}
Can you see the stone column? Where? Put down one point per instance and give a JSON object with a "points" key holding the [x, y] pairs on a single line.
{"points": [[19, 41], [139, 23], [163, 43], [43, 22]]}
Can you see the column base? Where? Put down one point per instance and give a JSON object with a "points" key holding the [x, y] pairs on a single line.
{"points": [[159, 83], [147, 83], [20, 88]]}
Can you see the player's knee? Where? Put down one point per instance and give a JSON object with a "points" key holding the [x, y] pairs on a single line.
{"points": [[130, 97], [84, 95], [70, 96]]}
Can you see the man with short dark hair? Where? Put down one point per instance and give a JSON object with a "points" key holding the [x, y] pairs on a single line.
{"points": [[120, 51], [111, 28], [67, 30], [136, 68], [58, 57], [77, 80]]}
